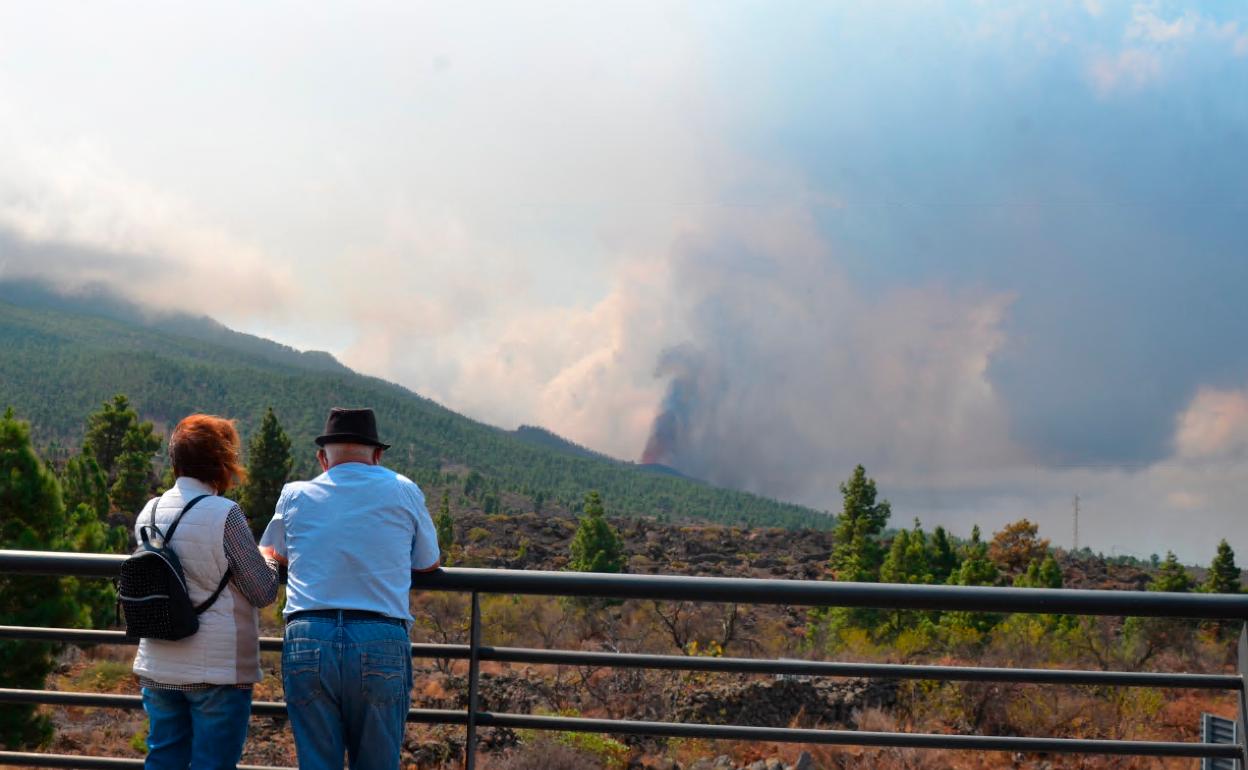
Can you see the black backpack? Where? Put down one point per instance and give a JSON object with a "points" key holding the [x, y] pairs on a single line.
{"points": [[152, 588]]}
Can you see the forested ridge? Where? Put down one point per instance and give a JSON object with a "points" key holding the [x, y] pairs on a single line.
{"points": [[61, 360]]}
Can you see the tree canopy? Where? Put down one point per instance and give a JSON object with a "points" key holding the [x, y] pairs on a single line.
{"points": [[123, 448], [1171, 576], [1016, 546], [32, 517], [596, 546], [857, 554], [269, 464], [1224, 574]]}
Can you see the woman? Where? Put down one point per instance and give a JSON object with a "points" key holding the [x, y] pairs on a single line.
{"points": [[197, 690]]}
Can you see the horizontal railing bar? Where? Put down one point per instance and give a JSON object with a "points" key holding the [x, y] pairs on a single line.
{"points": [[862, 737], [749, 590], [732, 665], [267, 643], [71, 635], [725, 732], [869, 670], [31, 759], [135, 702], [63, 698]]}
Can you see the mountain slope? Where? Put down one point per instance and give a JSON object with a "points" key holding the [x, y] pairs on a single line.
{"points": [[59, 361]]}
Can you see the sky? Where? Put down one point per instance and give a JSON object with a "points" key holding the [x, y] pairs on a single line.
{"points": [[993, 251]]}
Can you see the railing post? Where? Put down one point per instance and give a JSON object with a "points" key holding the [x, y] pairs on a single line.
{"points": [[1241, 724], [474, 671]]}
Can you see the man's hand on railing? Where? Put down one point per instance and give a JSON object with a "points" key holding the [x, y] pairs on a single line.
{"points": [[276, 560]]}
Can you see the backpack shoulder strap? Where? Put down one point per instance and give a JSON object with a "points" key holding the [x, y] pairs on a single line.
{"points": [[145, 531], [225, 580], [178, 518]]}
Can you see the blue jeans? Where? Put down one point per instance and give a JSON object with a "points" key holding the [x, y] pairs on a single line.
{"points": [[199, 729], [348, 686]]}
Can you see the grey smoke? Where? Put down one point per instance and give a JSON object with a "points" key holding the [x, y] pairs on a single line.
{"points": [[789, 377]]}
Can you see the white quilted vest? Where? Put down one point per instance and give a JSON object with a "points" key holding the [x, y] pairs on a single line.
{"points": [[225, 650]]}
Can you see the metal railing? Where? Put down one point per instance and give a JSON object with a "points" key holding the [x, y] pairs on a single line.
{"points": [[729, 590]]}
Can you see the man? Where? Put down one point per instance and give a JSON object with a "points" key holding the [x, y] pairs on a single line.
{"points": [[350, 539]]}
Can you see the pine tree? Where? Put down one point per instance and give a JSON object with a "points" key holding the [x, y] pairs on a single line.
{"points": [[445, 526], [83, 482], [106, 430], [269, 463], [976, 569], [32, 517], [908, 561], [473, 483], [87, 533], [857, 555], [1041, 574], [893, 568], [116, 430], [123, 447], [908, 558], [1165, 633], [1051, 573], [1171, 577], [944, 559], [136, 480], [596, 547], [1224, 574]]}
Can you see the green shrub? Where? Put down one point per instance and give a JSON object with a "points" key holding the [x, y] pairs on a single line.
{"points": [[103, 676], [138, 741], [606, 752]]}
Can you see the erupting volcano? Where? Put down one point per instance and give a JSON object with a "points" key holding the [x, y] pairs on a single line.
{"points": [[658, 449], [670, 431]]}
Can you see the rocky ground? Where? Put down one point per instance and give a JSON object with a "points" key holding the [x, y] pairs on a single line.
{"points": [[541, 541]]}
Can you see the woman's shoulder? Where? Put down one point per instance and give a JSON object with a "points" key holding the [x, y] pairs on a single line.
{"points": [[224, 503], [216, 505]]}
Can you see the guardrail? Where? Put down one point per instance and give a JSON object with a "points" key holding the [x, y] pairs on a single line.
{"points": [[735, 590]]}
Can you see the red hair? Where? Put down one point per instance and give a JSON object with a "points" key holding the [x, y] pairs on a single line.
{"points": [[206, 447]]}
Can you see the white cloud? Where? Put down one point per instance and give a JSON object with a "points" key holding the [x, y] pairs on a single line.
{"points": [[1213, 426], [1230, 33], [73, 217], [1130, 70], [1186, 502], [1153, 44], [1147, 25]]}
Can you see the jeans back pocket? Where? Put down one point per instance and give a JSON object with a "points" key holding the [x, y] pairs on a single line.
{"points": [[301, 671], [385, 666]]}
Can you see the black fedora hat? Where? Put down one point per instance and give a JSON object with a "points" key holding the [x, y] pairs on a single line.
{"points": [[350, 426]]}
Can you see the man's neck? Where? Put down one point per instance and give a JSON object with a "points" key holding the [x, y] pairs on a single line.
{"points": [[349, 462]]}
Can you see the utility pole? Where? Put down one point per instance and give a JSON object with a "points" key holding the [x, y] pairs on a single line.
{"points": [[1076, 523]]}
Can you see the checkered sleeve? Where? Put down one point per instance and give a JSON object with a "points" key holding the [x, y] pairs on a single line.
{"points": [[253, 575]]}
